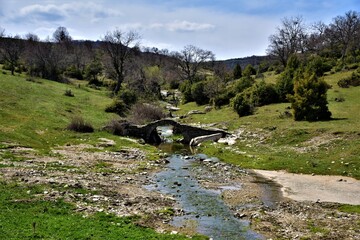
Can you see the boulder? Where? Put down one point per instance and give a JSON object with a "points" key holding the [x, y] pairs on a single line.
{"points": [[212, 137]]}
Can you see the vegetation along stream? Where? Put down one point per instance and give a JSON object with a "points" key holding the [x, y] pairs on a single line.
{"points": [[203, 208]]}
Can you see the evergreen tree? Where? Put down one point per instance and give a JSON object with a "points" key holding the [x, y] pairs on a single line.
{"points": [[309, 100], [237, 72]]}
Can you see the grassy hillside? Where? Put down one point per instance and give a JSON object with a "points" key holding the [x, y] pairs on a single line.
{"points": [[36, 113], [270, 140]]}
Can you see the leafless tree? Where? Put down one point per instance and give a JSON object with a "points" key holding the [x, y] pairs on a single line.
{"points": [[190, 59], [345, 31], [2, 32], [119, 47], [317, 40], [10, 51], [290, 38], [61, 35], [31, 37]]}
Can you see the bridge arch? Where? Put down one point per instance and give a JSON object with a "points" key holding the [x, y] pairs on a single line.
{"points": [[150, 135]]}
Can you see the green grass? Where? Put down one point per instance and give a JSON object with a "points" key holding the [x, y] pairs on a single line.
{"points": [[36, 114], [283, 137], [23, 215]]}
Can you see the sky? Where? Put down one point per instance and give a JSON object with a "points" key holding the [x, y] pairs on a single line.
{"points": [[228, 28]]}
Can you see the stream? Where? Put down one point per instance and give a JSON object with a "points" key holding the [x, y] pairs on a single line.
{"points": [[204, 210]]}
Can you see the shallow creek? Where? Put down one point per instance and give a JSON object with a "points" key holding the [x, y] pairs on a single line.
{"points": [[204, 210]]}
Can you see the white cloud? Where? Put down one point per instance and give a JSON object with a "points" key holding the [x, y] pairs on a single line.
{"points": [[189, 26]]}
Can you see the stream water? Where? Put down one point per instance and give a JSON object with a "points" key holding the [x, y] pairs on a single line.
{"points": [[204, 209]]}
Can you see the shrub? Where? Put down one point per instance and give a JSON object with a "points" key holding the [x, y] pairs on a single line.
{"points": [[285, 83], [74, 72], [353, 80], [222, 99], [78, 124], [243, 83], [263, 94], [249, 70], [117, 106], [319, 66], [141, 113], [242, 105], [69, 93], [185, 88], [198, 93], [116, 127], [237, 72], [128, 97], [309, 100]]}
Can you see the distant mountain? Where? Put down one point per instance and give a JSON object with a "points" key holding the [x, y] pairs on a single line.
{"points": [[253, 60]]}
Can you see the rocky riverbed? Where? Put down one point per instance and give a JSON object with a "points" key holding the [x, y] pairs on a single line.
{"points": [[96, 180]]}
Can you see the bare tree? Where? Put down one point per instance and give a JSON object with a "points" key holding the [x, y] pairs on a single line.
{"points": [[2, 32], [31, 37], [345, 31], [10, 51], [288, 39], [317, 41], [190, 59], [119, 47], [61, 35]]}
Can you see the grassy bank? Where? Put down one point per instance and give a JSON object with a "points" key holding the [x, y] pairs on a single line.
{"points": [[271, 140], [23, 215]]}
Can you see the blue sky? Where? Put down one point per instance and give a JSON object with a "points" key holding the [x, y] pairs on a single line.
{"points": [[229, 28]]}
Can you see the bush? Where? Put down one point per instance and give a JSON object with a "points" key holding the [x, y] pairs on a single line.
{"points": [[198, 93], [73, 72], [185, 88], [223, 99], [242, 105], [243, 83], [319, 66], [128, 97], [309, 100], [285, 83], [353, 80], [142, 113], [69, 93], [249, 70], [116, 127], [237, 72], [78, 124], [117, 106], [263, 94]]}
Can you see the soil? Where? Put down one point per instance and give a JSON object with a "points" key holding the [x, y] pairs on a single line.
{"points": [[96, 180]]}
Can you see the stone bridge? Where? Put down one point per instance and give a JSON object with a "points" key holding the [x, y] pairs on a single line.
{"points": [[150, 135]]}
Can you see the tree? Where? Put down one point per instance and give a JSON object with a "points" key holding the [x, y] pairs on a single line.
{"points": [[309, 100], [344, 31], [237, 72], [119, 47], [290, 38], [190, 59], [2, 32], [249, 70], [31, 37], [10, 51], [285, 82], [61, 35], [92, 70]]}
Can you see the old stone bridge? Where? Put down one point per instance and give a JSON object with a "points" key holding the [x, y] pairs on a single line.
{"points": [[150, 135]]}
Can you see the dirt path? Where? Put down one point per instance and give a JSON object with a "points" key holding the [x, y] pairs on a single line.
{"points": [[302, 187]]}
